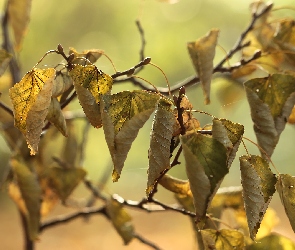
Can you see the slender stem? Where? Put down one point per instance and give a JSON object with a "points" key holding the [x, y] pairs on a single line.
{"points": [[146, 241], [28, 244]]}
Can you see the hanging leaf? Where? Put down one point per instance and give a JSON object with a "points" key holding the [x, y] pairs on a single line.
{"points": [[89, 105], [89, 77], [31, 98], [70, 148], [62, 83], [258, 187], [19, 17], [206, 165], [5, 58], [120, 219], [175, 185], [64, 180], [272, 241], [286, 189], [56, 117], [202, 53], [26, 193], [271, 100], [161, 135], [123, 114], [291, 118], [91, 55], [229, 134], [223, 239]]}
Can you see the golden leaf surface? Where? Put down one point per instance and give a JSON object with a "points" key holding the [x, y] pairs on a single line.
{"points": [[89, 77], [123, 114], [202, 53], [161, 135], [258, 187], [223, 239], [31, 98]]}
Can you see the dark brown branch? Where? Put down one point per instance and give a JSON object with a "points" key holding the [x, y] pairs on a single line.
{"points": [[13, 64], [28, 244], [143, 42], [61, 219]]}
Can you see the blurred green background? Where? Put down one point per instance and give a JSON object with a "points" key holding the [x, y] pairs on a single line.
{"points": [[110, 25]]}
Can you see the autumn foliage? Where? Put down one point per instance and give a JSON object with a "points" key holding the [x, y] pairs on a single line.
{"points": [[40, 97]]}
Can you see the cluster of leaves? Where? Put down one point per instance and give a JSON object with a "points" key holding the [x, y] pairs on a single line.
{"points": [[39, 98]]}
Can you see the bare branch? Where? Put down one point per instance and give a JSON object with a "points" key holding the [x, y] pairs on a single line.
{"points": [[6, 108], [146, 242]]}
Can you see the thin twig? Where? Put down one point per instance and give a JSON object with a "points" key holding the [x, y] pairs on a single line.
{"points": [[6, 108], [146, 241]]}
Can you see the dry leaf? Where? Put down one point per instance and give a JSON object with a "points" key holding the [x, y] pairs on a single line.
{"points": [[175, 185], [62, 83], [202, 53], [161, 135], [123, 114], [258, 187], [91, 55]]}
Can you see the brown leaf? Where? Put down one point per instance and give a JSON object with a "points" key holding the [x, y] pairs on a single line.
{"points": [[62, 83], [202, 53], [161, 135], [91, 55]]}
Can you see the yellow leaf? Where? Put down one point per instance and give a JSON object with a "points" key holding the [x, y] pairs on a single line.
{"points": [[223, 239], [161, 135], [19, 17], [123, 114], [5, 58], [89, 77], [89, 105], [175, 185], [120, 219], [202, 53], [258, 187], [31, 98], [26, 193]]}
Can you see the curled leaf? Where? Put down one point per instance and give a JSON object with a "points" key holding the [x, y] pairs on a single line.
{"points": [[89, 77], [62, 83], [258, 187], [123, 114], [31, 98], [56, 117], [161, 135], [205, 161], [91, 55], [175, 185], [120, 219], [202, 53]]}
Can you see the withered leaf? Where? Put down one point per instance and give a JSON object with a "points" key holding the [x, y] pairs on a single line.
{"points": [[202, 53], [258, 187], [92, 55], [161, 135]]}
